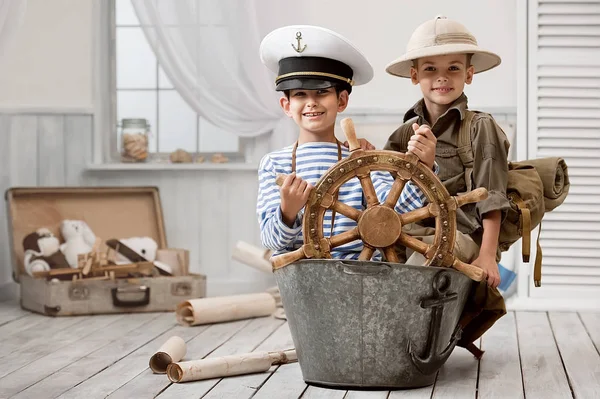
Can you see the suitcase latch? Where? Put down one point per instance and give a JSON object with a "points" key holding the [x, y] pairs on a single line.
{"points": [[181, 289], [78, 292]]}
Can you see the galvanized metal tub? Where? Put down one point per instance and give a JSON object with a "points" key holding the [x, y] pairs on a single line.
{"points": [[371, 324]]}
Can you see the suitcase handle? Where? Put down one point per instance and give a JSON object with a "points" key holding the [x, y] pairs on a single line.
{"points": [[127, 290]]}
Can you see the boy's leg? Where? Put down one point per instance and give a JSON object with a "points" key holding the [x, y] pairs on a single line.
{"points": [[464, 247]]}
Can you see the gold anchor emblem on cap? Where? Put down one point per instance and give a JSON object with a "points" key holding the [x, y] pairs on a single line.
{"points": [[298, 38]]}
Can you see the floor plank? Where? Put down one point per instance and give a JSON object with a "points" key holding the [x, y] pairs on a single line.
{"points": [[29, 340], [458, 377], [11, 310], [498, 376], [18, 326], [591, 321], [542, 369], [313, 392], [578, 353], [120, 373], [47, 365], [82, 327], [245, 340], [367, 395], [245, 386], [148, 384], [285, 383], [527, 354], [417, 393], [99, 360]]}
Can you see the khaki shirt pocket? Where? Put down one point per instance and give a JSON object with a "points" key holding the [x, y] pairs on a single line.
{"points": [[449, 162]]}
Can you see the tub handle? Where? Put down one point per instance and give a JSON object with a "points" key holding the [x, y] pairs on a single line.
{"points": [[372, 269]]}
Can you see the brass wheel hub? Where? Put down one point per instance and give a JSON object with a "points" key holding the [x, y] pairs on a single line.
{"points": [[380, 226]]}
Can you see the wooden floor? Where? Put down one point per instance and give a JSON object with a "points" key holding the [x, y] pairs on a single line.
{"points": [[532, 355]]}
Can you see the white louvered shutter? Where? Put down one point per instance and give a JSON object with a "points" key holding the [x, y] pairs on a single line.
{"points": [[564, 120]]}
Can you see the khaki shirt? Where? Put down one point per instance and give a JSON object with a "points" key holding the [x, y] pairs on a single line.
{"points": [[490, 167]]}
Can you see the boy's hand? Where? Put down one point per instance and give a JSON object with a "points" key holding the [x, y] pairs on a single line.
{"points": [[488, 263], [294, 194], [364, 144], [422, 144]]}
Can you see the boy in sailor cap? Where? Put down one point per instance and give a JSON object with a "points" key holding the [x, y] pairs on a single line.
{"points": [[316, 70]]}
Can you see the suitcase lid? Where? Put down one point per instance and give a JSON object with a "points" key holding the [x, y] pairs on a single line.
{"points": [[111, 212]]}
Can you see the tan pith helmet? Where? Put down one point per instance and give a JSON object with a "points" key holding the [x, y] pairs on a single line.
{"points": [[442, 36]]}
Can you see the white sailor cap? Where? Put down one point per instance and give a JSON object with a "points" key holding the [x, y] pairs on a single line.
{"points": [[312, 57]]}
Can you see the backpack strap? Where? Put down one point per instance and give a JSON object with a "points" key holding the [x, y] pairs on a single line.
{"points": [[524, 227], [405, 132], [465, 150]]}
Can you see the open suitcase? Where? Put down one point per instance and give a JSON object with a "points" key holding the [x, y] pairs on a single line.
{"points": [[111, 212]]}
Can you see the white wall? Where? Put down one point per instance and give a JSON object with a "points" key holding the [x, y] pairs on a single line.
{"points": [[49, 67], [381, 29], [49, 64]]}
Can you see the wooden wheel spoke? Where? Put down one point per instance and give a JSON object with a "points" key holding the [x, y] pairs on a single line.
{"points": [[366, 253], [395, 192], [344, 238], [346, 210], [413, 243], [369, 190], [390, 254], [416, 215]]}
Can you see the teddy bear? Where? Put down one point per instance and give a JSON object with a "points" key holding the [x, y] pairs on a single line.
{"points": [[79, 239], [42, 252]]}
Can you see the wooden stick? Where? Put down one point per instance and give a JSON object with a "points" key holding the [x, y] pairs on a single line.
{"points": [[473, 272], [348, 128], [226, 366], [224, 308], [141, 267], [280, 178], [476, 195]]}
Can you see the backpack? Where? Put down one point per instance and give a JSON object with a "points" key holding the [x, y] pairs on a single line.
{"points": [[534, 187], [525, 193]]}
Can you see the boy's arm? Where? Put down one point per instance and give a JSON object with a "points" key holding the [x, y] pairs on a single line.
{"points": [[411, 197], [489, 245], [275, 234], [490, 166], [490, 170]]}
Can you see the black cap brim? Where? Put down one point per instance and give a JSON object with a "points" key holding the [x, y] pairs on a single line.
{"points": [[303, 83]]}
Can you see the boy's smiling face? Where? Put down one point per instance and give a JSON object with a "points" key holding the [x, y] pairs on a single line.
{"points": [[442, 78], [315, 111]]}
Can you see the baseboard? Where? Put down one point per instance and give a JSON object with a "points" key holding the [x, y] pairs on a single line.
{"points": [[221, 287], [9, 290], [553, 304]]}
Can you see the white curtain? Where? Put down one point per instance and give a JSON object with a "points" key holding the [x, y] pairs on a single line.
{"points": [[209, 51], [11, 17]]}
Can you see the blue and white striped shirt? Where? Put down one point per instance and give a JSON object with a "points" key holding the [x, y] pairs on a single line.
{"points": [[312, 161]]}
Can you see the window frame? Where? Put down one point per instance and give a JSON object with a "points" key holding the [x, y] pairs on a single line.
{"points": [[105, 142]]}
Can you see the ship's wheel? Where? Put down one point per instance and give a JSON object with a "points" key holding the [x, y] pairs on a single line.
{"points": [[379, 226]]}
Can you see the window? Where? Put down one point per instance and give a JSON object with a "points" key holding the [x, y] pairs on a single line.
{"points": [[144, 91]]}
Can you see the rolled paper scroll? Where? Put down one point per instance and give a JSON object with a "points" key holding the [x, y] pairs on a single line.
{"points": [[225, 308], [170, 352], [227, 366], [253, 256]]}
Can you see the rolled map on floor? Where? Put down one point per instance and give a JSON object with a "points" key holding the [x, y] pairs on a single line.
{"points": [[171, 351], [225, 308], [226, 366]]}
